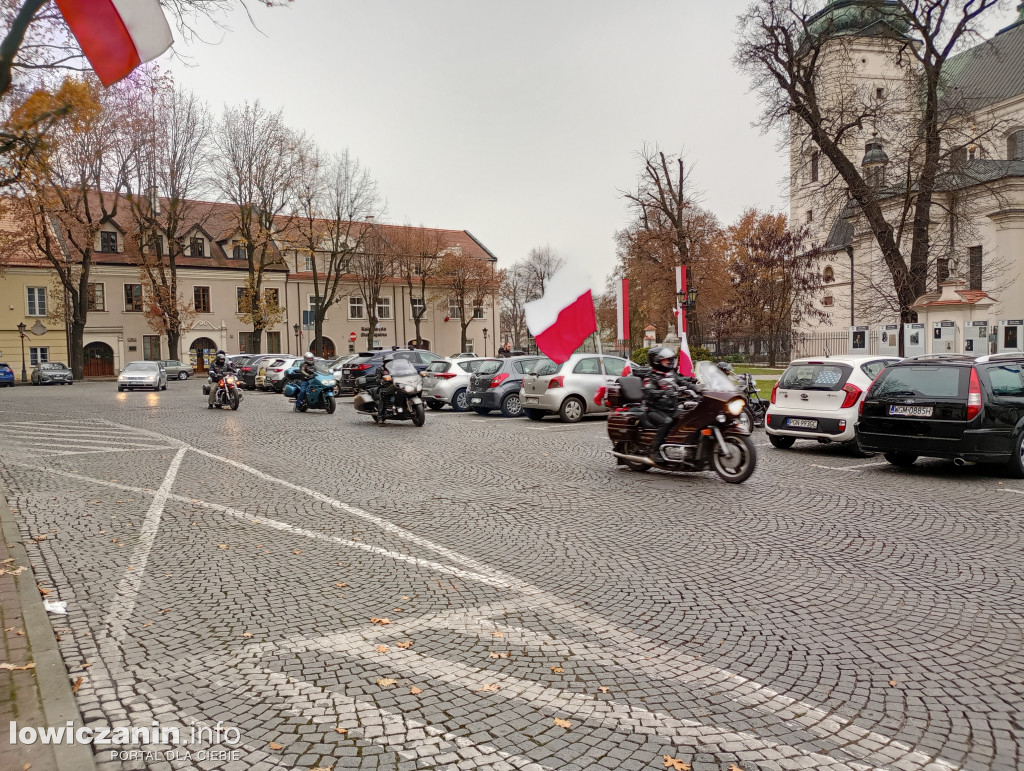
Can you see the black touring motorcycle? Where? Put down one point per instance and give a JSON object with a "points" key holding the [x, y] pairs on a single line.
{"points": [[709, 429], [401, 389]]}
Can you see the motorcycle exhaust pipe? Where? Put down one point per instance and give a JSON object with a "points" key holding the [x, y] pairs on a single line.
{"points": [[633, 458]]}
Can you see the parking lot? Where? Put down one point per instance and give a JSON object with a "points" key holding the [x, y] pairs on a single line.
{"points": [[392, 597]]}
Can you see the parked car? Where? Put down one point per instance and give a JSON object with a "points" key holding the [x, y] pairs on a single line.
{"points": [[275, 379], [246, 369], [6, 374], [496, 383], [366, 364], [465, 355], [142, 374], [571, 389], [447, 382], [819, 398], [51, 373], [176, 370], [947, 406]]}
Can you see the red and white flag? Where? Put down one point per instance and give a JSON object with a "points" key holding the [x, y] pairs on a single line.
{"points": [[564, 317], [622, 310], [117, 36], [685, 360]]}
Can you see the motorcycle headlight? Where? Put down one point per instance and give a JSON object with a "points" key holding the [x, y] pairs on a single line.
{"points": [[735, 406], [409, 389], [329, 382]]}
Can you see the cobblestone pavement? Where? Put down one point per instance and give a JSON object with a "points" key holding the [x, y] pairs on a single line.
{"points": [[390, 597]]}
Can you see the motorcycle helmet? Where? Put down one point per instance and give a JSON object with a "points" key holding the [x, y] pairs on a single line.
{"points": [[221, 357], [662, 359], [308, 357], [726, 367]]}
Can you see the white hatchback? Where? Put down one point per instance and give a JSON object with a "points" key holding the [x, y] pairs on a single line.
{"points": [[819, 398]]}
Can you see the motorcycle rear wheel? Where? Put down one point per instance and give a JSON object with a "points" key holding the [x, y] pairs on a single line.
{"points": [[631, 448], [738, 469], [419, 415], [235, 401], [330, 404]]}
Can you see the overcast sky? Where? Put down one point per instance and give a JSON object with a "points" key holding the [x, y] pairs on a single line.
{"points": [[518, 121]]}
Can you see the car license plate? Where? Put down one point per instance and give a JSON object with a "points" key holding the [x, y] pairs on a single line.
{"points": [[799, 423], [532, 399], [475, 400], [906, 409]]}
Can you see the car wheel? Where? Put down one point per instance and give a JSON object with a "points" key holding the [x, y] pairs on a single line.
{"points": [[460, 402], [781, 442], [119, 389], [435, 405], [901, 459], [534, 414], [481, 411], [182, 376], [572, 410], [1016, 464], [512, 406], [854, 449]]}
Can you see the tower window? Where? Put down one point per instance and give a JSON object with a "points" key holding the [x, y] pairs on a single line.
{"points": [[814, 166], [879, 93], [828, 275], [1015, 146]]}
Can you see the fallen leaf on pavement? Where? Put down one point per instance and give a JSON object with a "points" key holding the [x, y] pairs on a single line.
{"points": [[147, 624], [557, 670], [382, 649], [259, 546], [341, 586], [247, 634], [497, 655], [341, 730], [404, 597], [563, 723], [86, 666], [77, 685], [489, 688], [893, 683], [415, 691], [10, 667], [297, 551], [222, 546], [398, 610], [276, 746], [405, 645], [676, 764], [734, 767], [386, 682], [603, 689], [42, 591], [322, 768], [497, 634], [40, 537], [380, 621]]}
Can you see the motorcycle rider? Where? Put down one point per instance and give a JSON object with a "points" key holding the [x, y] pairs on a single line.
{"points": [[219, 367], [307, 371], [662, 390], [385, 390]]}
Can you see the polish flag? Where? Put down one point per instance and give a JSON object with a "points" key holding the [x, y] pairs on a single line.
{"points": [[564, 317], [622, 310], [117, 36], [685, 360]]}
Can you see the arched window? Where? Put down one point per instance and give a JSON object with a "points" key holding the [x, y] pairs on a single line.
{"points": [[1015, 146], [828, 275], [814, 166]]}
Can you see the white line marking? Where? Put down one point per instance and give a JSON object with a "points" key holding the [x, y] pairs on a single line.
{"points": [[127, 592], [858, 467], [1011, 490]]}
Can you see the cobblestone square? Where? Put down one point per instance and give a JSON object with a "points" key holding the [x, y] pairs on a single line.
{"points": [[355, 596]]}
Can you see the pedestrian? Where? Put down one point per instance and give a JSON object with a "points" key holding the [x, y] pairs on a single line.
{"points": [[505, 351]]}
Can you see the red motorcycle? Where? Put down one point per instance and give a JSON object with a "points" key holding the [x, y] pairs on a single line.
{"points": [[708, 429]]}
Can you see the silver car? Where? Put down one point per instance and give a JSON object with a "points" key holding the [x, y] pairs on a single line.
{"points": [[274, 378], [571, 389], [176, 370], [446, 382], [142, 374]]}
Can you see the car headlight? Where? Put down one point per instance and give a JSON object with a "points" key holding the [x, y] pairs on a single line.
{"points": [[735, 406]]}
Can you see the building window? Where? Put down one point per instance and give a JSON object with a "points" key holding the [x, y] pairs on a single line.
{"points": [[942, 269], [133, 297], [809, 216], [238, 252], [355, 308], [814, 166], [197, 247], [309, 263], [383, 307], [976, 265], [36, 301], [1015, 146], [272, 297], [828, 301], [876, 175], [96, 299], [108, 242], [454, 311], [273, 342], [239, 299], [879, 93], [151, 347], [201, 298], [828, 275], [469, 346], [417, 307], [478, 310], [156, 246], [246, 342], [38, 356]]}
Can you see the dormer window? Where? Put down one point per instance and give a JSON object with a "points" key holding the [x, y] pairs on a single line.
{"points": [[814, 166], [197, 247], [1015, 146], [238, 252], [108, 242]]}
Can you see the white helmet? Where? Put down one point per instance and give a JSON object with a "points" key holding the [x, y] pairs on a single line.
{"points": [[308, 357]]}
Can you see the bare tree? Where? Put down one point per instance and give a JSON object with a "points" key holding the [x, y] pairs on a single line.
{"points": [[255, 165], [418, 253], [468, 282], [371, 267], [802, 62], [539, 266], [513, 294]]}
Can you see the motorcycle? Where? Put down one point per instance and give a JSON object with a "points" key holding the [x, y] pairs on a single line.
{"points": [[707, 431], [228, 392], [402, 387], [320, 394], [757, 407]]}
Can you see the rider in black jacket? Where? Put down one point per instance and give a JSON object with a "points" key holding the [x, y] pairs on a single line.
{"points": [[307, 371], [662, 390], [219, 367]]}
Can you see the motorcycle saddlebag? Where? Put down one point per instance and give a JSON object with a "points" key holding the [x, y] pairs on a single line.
{"points": [[290, 390], [631, 390], [206, 389], [363, 402]]}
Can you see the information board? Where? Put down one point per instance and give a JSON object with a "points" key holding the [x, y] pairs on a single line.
{"points": [[976, 337], [914, 343], [888, 339], [859, 339], [944, 337], [1010, 337]]}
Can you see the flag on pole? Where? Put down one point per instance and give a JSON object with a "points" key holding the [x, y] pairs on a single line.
{"points": [[685, 360], [117, 36], [622, 310], [564, 317]]}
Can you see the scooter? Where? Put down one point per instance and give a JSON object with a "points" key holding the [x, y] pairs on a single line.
{"points": [[707, 430], [319, 393], [402, 386], [228, 392]]}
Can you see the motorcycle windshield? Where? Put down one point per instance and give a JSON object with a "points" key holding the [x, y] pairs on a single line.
{"points": [[713, 379], [401, 368]]}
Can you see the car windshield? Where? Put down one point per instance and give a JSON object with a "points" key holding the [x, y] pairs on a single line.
{"points": [[526, 367], [815, 377], [546, 367], [713, 379], [52, 365], [927, 381], [401, 368], [142, 366], [361, 359], [489, 367], [439, 366], [470, 365]]}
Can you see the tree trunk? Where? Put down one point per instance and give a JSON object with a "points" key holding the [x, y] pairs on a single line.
{"points": [[173, 345], [371, 335], [76, 355], [318, 334], [465, 339], [417, 319], [256, 344], [13, 40]]}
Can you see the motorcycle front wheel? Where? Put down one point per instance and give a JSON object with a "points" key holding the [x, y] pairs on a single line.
{"points": [[235, 401], [740, 466], [419, 415], [330, 404]]}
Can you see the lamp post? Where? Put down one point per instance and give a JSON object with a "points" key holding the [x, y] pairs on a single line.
{"points": [[485, 341], [21, 335], [298, 337]]}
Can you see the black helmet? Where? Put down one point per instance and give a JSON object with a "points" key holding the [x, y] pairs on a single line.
{"points": [[662, 359], [725, 366], [221, 356]]}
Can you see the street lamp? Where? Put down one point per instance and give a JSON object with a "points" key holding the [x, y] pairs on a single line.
{"points": [[485, 341], [298, 337], [687, 300], [21, 335]]}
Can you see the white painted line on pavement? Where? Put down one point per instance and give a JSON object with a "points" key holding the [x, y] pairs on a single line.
{"points": [[1011, 490], [849, 468], [124, 603]]}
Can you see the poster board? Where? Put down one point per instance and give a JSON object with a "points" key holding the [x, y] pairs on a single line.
{"points": [[888, 339], [859, 340], [976, 338], [944, 336], [914, 342], [1010, 336]]}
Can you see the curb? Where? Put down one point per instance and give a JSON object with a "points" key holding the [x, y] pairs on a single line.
{"points": [[59, 704]]}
